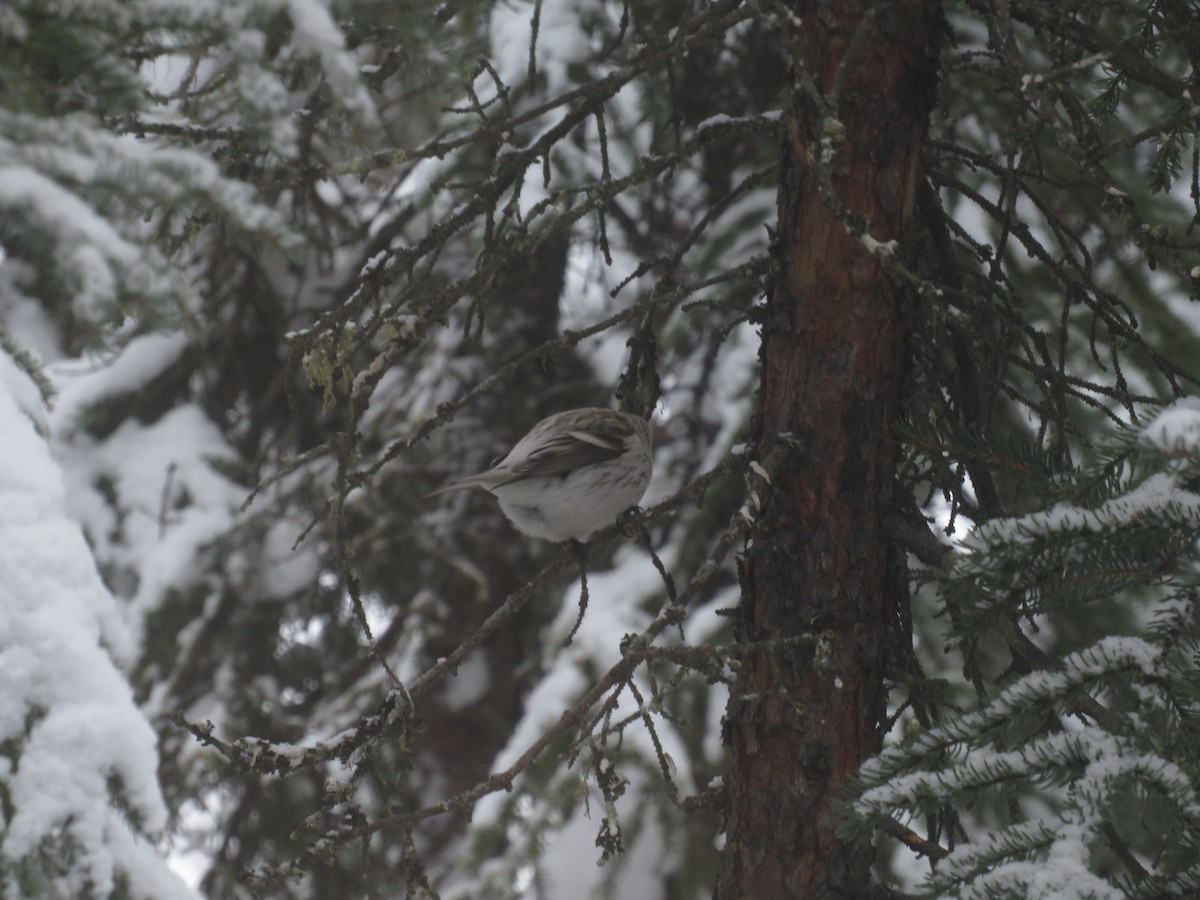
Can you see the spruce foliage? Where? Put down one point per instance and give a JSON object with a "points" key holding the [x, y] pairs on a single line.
{"points": [[282, 268]]}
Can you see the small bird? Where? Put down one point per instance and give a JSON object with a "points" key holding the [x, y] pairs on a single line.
{"points": [[575, 472]]}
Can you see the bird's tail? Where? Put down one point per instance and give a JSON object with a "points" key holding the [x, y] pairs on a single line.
{"points": [[482, 480]]}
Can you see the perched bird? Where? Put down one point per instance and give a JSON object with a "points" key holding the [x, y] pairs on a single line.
{"points": [[575, 472]]}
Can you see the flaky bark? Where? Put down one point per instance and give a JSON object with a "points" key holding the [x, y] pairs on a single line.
{"points": [[818, 578]]}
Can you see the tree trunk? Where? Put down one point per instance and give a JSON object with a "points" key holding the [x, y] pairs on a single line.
{"points": [[819, 580]]}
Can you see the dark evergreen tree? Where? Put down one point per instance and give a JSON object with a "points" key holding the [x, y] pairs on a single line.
{"points": [[909, 289]]}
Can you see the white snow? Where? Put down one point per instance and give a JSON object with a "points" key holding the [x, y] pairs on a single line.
{"points": [[1159, 495], [468, 684], [614, 610], [561, 42], [64, 706], [93, 252], [292, 568], [999, 861], [317, 33], [1176, 429], [81, 383]]}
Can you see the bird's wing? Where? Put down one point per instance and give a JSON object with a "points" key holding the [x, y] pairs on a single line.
{"points": [[568, 451]]}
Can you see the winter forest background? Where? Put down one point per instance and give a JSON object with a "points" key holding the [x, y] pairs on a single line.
{"points": [[911, 609]]}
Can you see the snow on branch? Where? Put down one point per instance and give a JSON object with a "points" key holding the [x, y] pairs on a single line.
{"points": [[78, 774], [1089, 751]]}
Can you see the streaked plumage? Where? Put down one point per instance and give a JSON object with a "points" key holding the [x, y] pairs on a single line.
{"points": [[573, 473]]}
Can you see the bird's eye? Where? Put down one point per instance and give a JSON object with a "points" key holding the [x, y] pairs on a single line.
{"points": [[495, 462]]}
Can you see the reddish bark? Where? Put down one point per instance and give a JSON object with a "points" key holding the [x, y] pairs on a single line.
{"points": [[818, 572]]}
